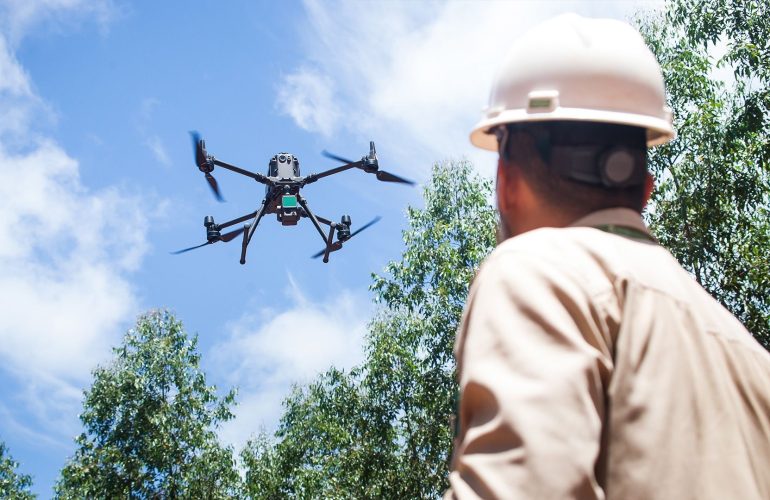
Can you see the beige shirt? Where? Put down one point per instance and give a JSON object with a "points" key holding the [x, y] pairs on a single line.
{"points": [[591, 365]]}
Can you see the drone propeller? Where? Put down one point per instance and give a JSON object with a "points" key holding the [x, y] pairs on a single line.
{"points": [[388, 177], [202, 162], [338, 244], [225, 238], [214, 186], [335, 157], [370, 223], [381, 174], [177, 252]]}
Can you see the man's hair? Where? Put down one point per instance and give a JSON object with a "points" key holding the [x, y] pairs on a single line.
{"points": [[528, 146]]}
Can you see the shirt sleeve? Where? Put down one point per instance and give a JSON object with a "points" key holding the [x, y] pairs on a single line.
{"points": [[533, 364]]}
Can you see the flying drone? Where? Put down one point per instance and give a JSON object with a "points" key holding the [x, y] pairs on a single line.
{"points": [[282, 197]]}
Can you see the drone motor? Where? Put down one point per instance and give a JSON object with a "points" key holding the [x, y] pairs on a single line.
{"points": [[343, 229], [212, 232], [202, 156], [370, 162]]}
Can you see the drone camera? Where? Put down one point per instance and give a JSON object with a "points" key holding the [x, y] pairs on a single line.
{"points": [[289, 214], [284, 165]]}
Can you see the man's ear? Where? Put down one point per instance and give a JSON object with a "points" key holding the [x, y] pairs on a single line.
{"points": [[502, 186], [507, 186], [649, 185]]}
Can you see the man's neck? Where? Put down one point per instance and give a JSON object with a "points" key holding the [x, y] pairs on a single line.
{"points": [[539, 217]]}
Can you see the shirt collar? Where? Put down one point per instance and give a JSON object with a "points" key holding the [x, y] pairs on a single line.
{"points": [[624, 217]]}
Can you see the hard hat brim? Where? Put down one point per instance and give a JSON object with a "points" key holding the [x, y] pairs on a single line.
{"points": [[659, 130]]}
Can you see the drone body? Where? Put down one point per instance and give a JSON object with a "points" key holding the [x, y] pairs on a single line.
{"points": [[283, 198], [283, 183]]}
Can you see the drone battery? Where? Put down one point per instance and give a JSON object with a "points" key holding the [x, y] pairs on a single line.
{"points": [[289, 211]]}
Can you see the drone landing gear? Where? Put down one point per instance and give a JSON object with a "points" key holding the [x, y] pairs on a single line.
{"points": [[248, 232], [317, 223], [214, 231], [329, 239]]}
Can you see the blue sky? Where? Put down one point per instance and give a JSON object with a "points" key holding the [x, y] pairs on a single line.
{"points": [[96, 101]]}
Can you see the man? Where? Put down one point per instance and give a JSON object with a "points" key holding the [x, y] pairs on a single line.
{"points": [[591, 365]]}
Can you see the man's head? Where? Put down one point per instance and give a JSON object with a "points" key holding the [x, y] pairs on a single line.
{"points": [[572, 112], [552, 173]]}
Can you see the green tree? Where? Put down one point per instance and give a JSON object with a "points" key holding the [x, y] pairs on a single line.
{"points": [[262, 469], [383, 429], [13, 485], [149, 421], [318, 450], [712, 203], [410, 369]]}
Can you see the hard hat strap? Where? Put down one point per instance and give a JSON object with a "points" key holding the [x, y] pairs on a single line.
{"points": [[501, 132], [612, 167], [613, 156]]}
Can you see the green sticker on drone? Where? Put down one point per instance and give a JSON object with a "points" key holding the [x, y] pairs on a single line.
{"points": [[289, 201]]}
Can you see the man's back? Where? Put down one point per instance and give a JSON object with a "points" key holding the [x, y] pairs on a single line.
{"points": [[610, 370]]}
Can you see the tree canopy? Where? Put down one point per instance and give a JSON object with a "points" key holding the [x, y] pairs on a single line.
{"points": [[712, 204], [13, 484], [149, 421]]}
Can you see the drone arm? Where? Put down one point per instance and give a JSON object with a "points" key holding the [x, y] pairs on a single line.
{"points": [[257, 177], [236, 221], [314, 177], [315, 219], [320, 219], [323, 220]]}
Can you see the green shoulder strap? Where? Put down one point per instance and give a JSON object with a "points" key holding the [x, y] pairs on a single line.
{"points": [[628, 232]]}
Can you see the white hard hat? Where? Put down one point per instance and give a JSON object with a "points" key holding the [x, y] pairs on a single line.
{"points": [[580, 69]]}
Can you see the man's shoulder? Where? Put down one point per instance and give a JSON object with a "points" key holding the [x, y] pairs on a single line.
{"points": [[588, 257], [564, 249], [554, 254], [594, 262], [532, 240]]}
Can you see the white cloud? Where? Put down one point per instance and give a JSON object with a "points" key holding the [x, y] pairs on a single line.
{"points": [[65, 263], [18, 17], [66, 256], [269, 351], [158, 150], [14, 79], [415, 76], [17, 100], [307, 96], [143, 121]]}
